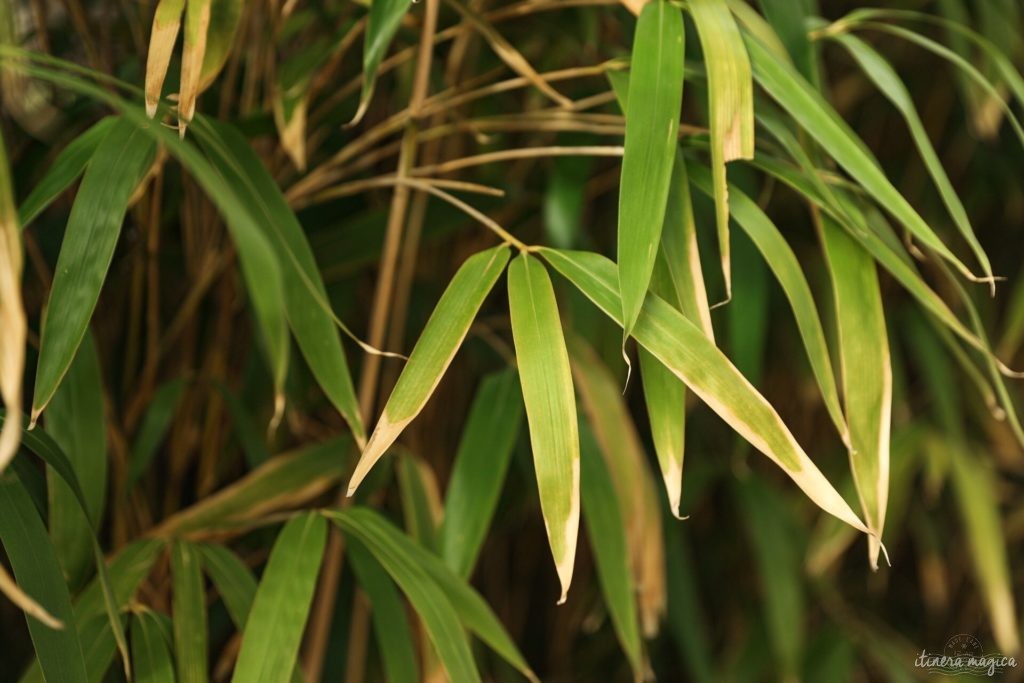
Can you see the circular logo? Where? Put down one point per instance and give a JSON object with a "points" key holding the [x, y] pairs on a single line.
{"points": [[962, 645]]}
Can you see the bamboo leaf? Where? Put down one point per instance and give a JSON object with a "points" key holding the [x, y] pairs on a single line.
{"points": [[384, 20], [151, 656], [77, 424], [889, 83], [433, 353], [786, 268], [119, 164], [606, 532], [390, 624], [155, 424], [13, 326], [789, 20], [197, 26], [481, 463], [609, 418], [309, 313], [427, 598], [421, 499], [35, 565], [166, 23], [189, 612], [866, 372], [652, 124], [385, 541], [550, 406], [68, 165], [235, 584], [682, 347], [731, 103], [821, 121], [280, 483], [273, 631], [224, 18]]}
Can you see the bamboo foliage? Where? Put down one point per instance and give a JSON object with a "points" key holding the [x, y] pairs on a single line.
{"points": [[203, 504]]}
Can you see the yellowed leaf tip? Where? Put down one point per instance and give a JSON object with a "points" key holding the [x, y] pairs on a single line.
{"points": [[26, 603]]}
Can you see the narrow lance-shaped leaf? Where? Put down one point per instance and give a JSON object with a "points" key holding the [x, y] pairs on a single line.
{"points": [[682, 347], [652, 124], [379, 535], [35, 566], [385, 18], [786, 268], [731, 103], [150, 654], [13, 327], [119, 164], [433, 353], [189, 611], [481, 462], [822, 122], [197, 25], [421, 499], [390, 623], [606, 531], [77, 424], [428, 599], [273, 631], [66, 168], [866, 372], [550, 406], [155, 423], [166, 22], [610, 421], [678, 279], [890, 84], [309, 311], [224, 18]]}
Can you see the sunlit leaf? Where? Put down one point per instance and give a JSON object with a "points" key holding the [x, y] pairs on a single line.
{"points": [[550, 406]]}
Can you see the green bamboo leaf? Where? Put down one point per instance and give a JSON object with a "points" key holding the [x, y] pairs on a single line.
{"points": [[153, 429], [428, 599], [665, 399], [235, 584], [866, 372], [652, 123], [890, 84], [305, 296], [76, 423], [821, 121], [473, 610], [786, 268], [272, 486], [66, 168], [789, 19], [481, 463], [220, 36], [390, 623], [38, 572], [384, 20], [606, 531], [682, 347], [550, 406], [731, 103], [150, 654], [250, 438], [273, 631], [259, 266], [433, 353], [189, 611], [118, 166], [777, 552], [421, 499]]}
